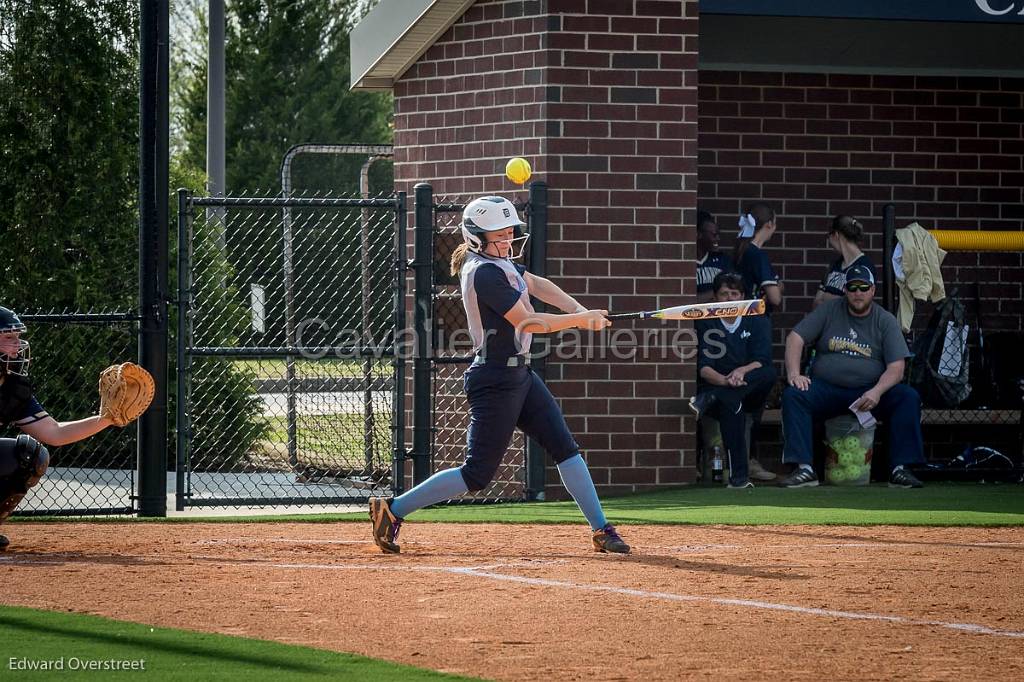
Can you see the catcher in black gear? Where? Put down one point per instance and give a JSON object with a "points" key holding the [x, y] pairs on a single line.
{"points": [[23, 460]]}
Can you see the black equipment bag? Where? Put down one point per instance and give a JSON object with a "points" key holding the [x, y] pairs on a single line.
{"points": [[940, 369]]}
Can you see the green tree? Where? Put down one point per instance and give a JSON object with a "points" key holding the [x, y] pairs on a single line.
{"points": [[69, 154], [287, 83]]}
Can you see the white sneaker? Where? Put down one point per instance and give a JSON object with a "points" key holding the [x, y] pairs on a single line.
{"points": [[758, 472]]}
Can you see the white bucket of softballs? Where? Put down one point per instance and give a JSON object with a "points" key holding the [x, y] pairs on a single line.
{"points": [[849, 449]]}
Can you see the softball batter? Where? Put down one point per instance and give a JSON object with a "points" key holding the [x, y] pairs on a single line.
{"points": [[503, 392]]}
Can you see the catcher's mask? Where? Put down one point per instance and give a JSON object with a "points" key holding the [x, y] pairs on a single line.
{"points": [[490, 214], [14, 350]]}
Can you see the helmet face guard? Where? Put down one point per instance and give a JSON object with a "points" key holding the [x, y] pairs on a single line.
{"points": [[491, 214], [18, 362], [516, 245]]}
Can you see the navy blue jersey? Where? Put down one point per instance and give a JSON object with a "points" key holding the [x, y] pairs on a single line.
{"points": [[724, 349], [835, 280], [17, 404], [490, 287], [33, 412], [757, 271], [710, 266]]}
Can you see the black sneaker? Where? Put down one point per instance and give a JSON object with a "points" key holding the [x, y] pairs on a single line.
{"points": [[4, 542], [607, 539], [701, 402], [801, 478], [902, 478]]}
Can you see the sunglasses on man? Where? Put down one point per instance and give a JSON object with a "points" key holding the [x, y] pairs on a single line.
{"points": [[858, 287]]}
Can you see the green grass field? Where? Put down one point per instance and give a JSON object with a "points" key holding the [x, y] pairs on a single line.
{"points": [[937, 504], [271, 368], [75, 640], [330, 440]]}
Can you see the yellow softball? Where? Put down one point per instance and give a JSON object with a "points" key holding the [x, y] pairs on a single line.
{"points": [[518, 170]]}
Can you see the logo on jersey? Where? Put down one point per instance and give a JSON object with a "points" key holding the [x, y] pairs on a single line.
{"points": [[744, 334], [853, 333], [706, 275], [836, 280]]}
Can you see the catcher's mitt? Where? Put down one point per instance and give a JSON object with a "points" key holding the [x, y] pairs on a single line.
{"points": [[126, 390]]}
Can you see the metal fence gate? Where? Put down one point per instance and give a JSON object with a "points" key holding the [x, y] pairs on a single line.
{"points": [[440, 411], [288, 383]]}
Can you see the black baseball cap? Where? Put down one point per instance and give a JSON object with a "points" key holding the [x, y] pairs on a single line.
{"points": [[860, 273]]}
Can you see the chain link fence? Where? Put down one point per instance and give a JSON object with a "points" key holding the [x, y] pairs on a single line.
{"points": [[452, 353], [69, 219], [288, 365], [96, 475], [968, 378], [966, 363]]}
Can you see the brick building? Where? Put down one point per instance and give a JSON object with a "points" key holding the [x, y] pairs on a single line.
{"points": [[840, 108]]}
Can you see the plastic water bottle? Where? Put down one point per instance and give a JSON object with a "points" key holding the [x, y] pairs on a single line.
{"points": [[716, 465]]}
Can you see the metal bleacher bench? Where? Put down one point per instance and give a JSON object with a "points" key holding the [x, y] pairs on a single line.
{"points": [[933, 416]]}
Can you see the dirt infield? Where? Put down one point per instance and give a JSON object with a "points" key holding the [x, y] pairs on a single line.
{"points": [[534, 603]]}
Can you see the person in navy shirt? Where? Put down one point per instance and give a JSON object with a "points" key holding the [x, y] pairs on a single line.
{"points": [[502, 391], [735, 374], [24, 459], [710, 261], [845, 238], [757, 226]]}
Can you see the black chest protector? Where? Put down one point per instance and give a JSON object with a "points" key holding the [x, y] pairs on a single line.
{"points": [[15, 395]]}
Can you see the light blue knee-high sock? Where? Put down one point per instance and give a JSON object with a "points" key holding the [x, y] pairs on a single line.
{"points": [[576, 479], [444, 485]]}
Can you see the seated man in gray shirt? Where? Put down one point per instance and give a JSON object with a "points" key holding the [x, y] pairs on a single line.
{"points": [[859, 361]]}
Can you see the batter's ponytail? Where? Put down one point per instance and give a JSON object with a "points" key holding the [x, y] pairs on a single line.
{"points": [[459, 257]]}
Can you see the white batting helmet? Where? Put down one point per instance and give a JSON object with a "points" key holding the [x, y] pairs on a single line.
{"points": [[490, 214]]}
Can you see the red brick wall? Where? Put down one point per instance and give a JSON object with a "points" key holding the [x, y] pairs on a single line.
{"points": [[946, 151], [622, 164], [473, 100], [601, 96]]}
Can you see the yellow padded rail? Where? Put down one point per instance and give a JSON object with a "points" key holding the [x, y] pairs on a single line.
{"points": [[978, 240]]}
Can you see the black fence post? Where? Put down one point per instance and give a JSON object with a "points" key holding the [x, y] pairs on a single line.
{"points": [[423, 265], [398, 395], [538, 219], [888, 239], [153, 264], [181, 389]]}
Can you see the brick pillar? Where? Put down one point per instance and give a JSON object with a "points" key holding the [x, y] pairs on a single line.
{"points": [[622, 166], [601, 96]]}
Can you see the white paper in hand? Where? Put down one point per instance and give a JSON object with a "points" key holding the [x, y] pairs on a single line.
{"points": [[866, 419]]}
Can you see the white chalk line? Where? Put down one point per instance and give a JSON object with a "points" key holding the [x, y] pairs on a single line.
{"points": [[827, 545], [486, 571], [749, 603]]}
